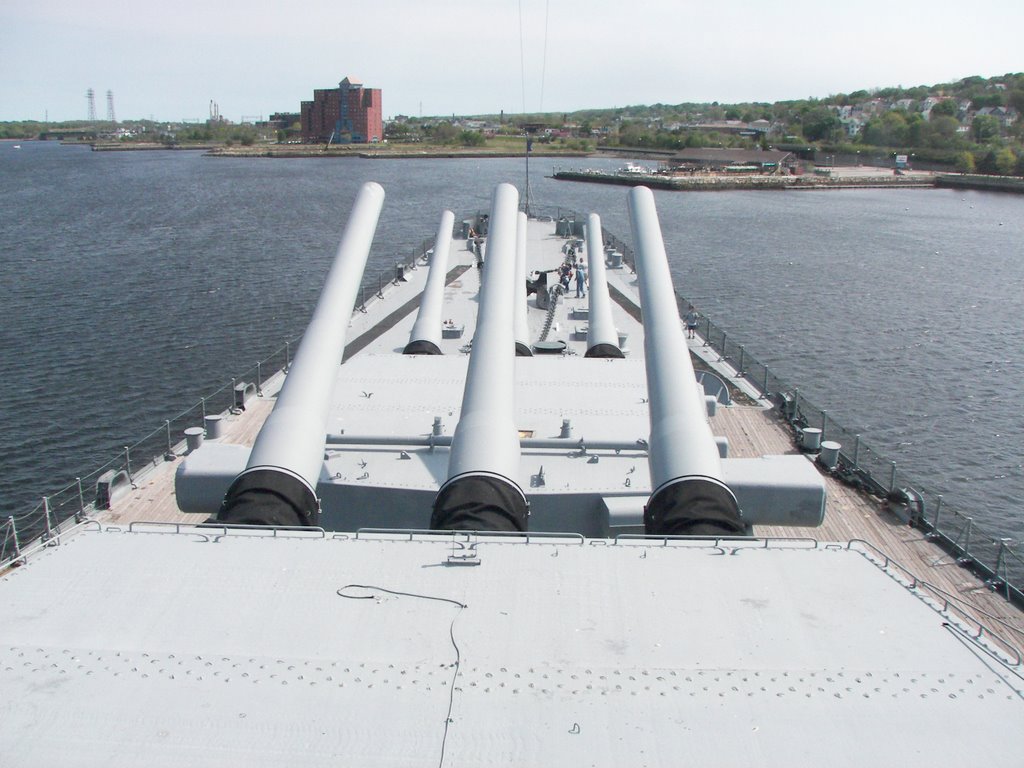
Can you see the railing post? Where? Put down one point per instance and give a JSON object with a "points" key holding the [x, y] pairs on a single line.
{"points": [[707, 331], [967, 541], [796, 404], [380, 286], [741, 372], [824, 418], [202, 402], [721, 355], [14, 535], [892, 477], [81, 501], [764, 388], [128, 464], [856, 452], [362, 299], [938, 510], [170, 448], [46, 516], [259, 379], [1001, 578], [287, 355]]}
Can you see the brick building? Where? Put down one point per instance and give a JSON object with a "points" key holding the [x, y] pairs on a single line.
{"points": [[348, 113]]}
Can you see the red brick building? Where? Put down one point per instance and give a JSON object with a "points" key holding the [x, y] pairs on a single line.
{"points": [[342, 115]]}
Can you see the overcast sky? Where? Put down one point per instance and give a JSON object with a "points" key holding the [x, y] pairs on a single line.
{"points": [[168, 60]]}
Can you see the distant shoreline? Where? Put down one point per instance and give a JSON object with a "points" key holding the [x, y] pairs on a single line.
{"points": [[371, 151], [881, 180], [365, 151]]}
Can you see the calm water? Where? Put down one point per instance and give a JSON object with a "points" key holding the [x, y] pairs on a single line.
{"points": [[134, 283]]}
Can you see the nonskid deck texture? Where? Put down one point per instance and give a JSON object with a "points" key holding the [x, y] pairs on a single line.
{"points": [[752, 430]]}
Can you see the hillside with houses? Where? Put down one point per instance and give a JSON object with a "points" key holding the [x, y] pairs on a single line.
{"points": [[971, 125]]}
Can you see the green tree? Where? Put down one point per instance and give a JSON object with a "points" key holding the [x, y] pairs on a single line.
{"points": [[965, 162], [444, 132], [943, 132], [985, 128], [1005, 161], [889, 130], [472, 139], [820, 124], [947, 107]]}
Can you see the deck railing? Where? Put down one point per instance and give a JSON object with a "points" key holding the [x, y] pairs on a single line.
{"points": [[64, 507], [995, 558]]}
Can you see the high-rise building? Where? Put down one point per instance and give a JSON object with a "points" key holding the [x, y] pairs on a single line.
{"points": [[349, 113]]}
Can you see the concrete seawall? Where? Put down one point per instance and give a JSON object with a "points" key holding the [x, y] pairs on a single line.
{"points": [[716, 183], [977, 181]]}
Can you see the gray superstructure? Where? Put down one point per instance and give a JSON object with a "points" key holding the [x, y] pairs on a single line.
{"points": [[569, 638]]}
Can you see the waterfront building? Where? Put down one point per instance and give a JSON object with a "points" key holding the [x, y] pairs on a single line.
{"points": [[349, 113]]}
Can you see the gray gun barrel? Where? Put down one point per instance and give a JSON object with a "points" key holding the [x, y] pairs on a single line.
{"points": [[278, 485], [522, 325], [602, 338], [425, 338], [479, 493], [689, 497]]}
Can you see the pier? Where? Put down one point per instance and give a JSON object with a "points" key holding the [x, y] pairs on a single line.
{"points": [[827, 178]]}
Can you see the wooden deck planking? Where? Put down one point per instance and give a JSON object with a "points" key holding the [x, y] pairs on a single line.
{"points": [[154, 499], [850, 514]]}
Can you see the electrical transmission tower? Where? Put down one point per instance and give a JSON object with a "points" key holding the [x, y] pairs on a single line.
{"points": [[110, 107], [90, 95]]}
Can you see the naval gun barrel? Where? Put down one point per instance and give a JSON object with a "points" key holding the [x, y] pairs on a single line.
{"points": [[689, 497], [479, 493], [602, 338], [522, 325], [425, 338], [278, 484]]}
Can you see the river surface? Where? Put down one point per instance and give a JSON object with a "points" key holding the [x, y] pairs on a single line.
{"points": [[134, 283]]}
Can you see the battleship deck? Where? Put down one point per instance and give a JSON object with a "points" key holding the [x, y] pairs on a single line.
{"points": [[167, 643], [751, 430]]}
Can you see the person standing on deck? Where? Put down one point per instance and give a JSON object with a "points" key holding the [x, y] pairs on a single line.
{"points": [[691, 323], [581, 280]]}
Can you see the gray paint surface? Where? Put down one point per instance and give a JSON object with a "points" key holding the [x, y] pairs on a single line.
{"points": [[204, 649]]}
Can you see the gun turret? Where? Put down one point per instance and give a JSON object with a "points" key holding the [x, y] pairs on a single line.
{"points": [[479, 493], [278, 484], [602, 338], [425, 337], [689, 495]]}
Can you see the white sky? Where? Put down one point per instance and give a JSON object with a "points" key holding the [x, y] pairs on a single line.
{"points": [[168, 60]]}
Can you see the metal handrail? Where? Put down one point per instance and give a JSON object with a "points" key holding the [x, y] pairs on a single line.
{"points": [[515, 537], [950, 603]]}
